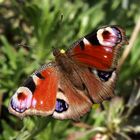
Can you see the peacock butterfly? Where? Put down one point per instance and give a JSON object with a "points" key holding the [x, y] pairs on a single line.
{"points": [[79, 77]]}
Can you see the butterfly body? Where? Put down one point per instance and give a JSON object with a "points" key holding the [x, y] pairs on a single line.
{"points": [[84, 74]]}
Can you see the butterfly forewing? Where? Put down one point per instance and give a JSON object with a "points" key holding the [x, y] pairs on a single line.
{"points": [[99, 49], [37, 95]]}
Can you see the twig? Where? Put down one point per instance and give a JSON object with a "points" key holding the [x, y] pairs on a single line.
{"points": [[131, 43], [82, 125]]}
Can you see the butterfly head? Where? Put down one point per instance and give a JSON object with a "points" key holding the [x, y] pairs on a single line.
{"points": [[57, 52], [109, 36], [62, 51]]}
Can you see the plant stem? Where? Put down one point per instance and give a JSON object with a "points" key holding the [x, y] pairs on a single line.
{"points": [[131, 43]]}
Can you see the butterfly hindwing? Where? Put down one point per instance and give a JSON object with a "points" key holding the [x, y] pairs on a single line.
{"points": [[99, 84], [74, 99]]}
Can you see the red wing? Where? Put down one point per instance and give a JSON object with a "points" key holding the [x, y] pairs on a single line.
{"points": [[99, 49], [49, 92], [37, 95]]}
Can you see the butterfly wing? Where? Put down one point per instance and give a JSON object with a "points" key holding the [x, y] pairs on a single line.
{"points": [[84, 75], [97, 55], [93, 62], [99, 49], [37, 95], [99, 84], [72, 103], [49, 92]]}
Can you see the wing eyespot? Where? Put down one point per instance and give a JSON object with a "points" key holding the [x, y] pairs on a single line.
{"points": [[104, 76], [21, 101], [109, 37], [61, 106]]}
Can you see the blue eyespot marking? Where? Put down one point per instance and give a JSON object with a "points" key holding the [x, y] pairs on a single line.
{"points": [[61, 106]]}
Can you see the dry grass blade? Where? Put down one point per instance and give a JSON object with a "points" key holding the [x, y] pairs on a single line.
{"points": [[82, 125], [131, 43]]}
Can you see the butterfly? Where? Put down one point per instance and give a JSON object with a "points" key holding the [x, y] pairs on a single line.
{"points": [[79, 77]]}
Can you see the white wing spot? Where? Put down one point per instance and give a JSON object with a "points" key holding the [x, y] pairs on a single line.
{"points": [[86, 42]]}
